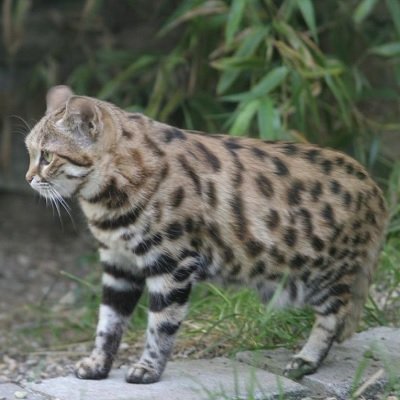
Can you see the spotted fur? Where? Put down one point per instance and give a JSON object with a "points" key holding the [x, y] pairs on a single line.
{"points": [[170, 208]]}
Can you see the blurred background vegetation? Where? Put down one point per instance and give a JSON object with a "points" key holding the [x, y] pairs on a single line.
{"points": [[326, 72]]}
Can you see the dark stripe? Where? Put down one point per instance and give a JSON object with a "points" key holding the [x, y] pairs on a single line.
{"points": [[120, 273], [153, 147], [145, 246], [190, 172], [240, 225], [312, 155], [327, 213], [164, 264], [79, 163], [307, 221], [123, 302], [119, 222], [177, 197], [210, 156], [316, 190], [182, 274], [211, 194], [290, 149], [232, 144], [259, 153], [172, 133], [159, 301], [213, 230], [111, 196], [332, 308], [265, 185], [168, 328]]}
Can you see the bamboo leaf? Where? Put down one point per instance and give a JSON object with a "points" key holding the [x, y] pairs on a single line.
{"points": [[234, 18], [270, 81], [307, 10], [243, 119], [386, 50], [394, 11], [363, 10], [268, 119]]}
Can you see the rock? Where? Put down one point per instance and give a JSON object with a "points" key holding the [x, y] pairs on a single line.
{"points": [[365, 353], [219, 378], [20, 395]]}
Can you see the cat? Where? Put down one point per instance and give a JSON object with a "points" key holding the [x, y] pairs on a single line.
{"points": [[170, 207]]}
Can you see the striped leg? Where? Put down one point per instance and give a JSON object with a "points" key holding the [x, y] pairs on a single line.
{"points": [[121, 292], [316, 348], [168, 305]]}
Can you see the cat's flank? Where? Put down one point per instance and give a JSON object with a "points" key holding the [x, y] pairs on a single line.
{"points": [[169, 208]]}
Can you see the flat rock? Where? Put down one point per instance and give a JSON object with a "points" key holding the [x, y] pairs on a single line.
{"points": [[8, 391], [373, 355], [219, 378]]}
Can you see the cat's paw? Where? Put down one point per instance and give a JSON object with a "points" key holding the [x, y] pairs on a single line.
{"points": [[141, 373], [93, 367], [298, 367]]}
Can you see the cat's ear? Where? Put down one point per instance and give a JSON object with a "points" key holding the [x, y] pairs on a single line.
{"points": [[57, 96], [85, 115]]}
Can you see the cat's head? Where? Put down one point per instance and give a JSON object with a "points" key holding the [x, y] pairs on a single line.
{"points": [[68, 143]]}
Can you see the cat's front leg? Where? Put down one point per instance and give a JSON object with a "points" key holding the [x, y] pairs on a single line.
{"points": [[168, 305], [121, 292]]}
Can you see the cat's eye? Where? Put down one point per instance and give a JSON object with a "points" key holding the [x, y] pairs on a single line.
{"points": [[47, 156]]}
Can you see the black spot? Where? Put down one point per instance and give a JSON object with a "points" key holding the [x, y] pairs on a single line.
{"points": [[153, 146], [135, 116], [168, 328], [290, 237], [317, 243], [173, 134], [326, 166], [349, 168], [335, 186], [347, 198], [191, 173], [160, 301], [277, 255], [189, 225], [253, 247], [259, 153], [319, 262], [281, 168], [164, 264], [127, 134], [273, 219], [290, 149], [174, 231], [339, 161], [177, 197], [333, 251], [294, 193], [312, 155], [328, 214], [356, 224], [298, 261], [361, 175], [235, 269], [265, 185], [258, 269], [145, 246], [212, 194], [307, 221], [316, 190], [228, 255], [210, 156], [370, 217]]}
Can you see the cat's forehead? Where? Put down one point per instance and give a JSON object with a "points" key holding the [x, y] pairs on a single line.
{"points": [[44, 132]]}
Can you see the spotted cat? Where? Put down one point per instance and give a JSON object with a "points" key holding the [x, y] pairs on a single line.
{"points": [[170, 208]]}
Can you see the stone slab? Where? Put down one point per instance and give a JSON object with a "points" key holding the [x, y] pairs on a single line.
{"points": [[365, 353], [7, 391], [219, 378]]}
